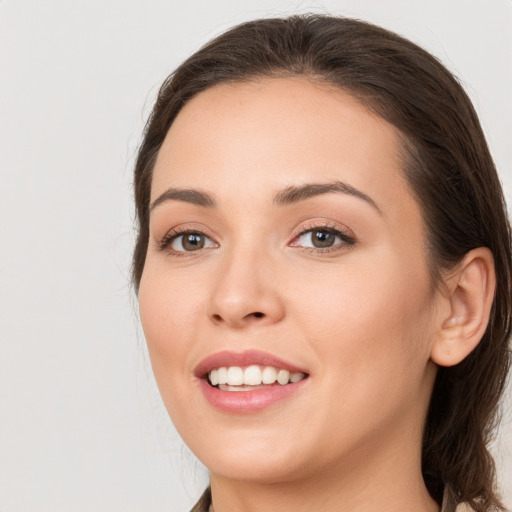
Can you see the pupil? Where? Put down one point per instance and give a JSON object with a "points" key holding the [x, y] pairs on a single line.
{"points": [[323, 239], [193, 242]]}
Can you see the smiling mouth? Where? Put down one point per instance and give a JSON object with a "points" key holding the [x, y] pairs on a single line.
{"points": [[251, 378]]}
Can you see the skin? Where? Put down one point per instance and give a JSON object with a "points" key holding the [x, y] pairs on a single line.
{"points": [[362, 318]]}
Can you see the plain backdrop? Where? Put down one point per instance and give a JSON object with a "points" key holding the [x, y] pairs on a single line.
{"points": [[82, 427]]}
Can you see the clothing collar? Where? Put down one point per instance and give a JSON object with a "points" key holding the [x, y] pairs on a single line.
{"points": [[448, 505]]}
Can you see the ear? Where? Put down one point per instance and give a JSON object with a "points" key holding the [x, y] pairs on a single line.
{"points": [[470, 294]]}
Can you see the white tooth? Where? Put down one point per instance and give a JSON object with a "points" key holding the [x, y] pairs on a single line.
{"points": [[222, 375], [269, 375], [235, 388], [283, 377], [252, 375], [214, 377], [295, 377], [235, 376]]}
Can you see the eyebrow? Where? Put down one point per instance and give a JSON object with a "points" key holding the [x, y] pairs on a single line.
{"points": [[187, 195], [295, 194], [287, 196]]}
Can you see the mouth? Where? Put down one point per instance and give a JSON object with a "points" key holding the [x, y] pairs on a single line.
{"points": [[251, 378], [243, 382]]}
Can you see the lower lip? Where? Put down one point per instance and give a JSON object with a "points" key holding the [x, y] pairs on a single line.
{"points": [[245, 402]]}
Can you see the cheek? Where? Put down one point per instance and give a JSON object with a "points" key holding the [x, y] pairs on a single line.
{"points": [[370, 338], [369, 322], [168, 312]]}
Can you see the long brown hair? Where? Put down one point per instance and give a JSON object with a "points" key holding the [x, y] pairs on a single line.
{"points": [[446, 162]]}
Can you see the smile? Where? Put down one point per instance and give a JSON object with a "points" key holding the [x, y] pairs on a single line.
{"points": [[236, 378], [247, 382]]}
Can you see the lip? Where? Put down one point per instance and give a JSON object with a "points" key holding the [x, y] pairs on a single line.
{"points": [[246, 402], [228, 358]]}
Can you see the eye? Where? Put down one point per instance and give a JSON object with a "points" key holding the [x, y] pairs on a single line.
{"points": [[188, 241], [319, 238], [322, 238]]}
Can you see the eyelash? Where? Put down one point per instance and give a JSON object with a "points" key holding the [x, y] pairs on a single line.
{"points": [[165, 243], [347, 239]]}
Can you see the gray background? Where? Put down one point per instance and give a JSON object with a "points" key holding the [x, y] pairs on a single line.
{"points": [[82, 427]]}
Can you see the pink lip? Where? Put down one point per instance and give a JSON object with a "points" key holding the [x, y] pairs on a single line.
{"points": [[244, 402], [228, 358]]}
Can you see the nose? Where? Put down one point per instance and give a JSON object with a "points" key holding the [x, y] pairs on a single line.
{"points": [[246, 292]]}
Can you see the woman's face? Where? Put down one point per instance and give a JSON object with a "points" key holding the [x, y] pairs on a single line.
{"points": [[283, 235]]}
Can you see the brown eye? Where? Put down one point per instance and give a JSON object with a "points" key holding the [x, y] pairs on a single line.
{"points": [[321, 238], [188, 242], [193, 242], [318, 238]]}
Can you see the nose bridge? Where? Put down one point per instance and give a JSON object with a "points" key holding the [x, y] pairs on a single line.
{"points": [[245, 290]]}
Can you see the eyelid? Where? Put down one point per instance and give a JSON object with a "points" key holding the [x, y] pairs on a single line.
{"points": [[323, 223], [163, 243], [347, 236]]}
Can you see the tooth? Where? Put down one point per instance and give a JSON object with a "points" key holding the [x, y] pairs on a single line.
{"points": [[252, 375], [283, 377], [235, 376], [268, 375], [235, 388], [214, 377], [222, 375]]}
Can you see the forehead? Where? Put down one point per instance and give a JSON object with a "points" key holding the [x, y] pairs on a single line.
{"points": [[263, 135]]}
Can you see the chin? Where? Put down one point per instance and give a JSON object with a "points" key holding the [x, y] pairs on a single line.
{"points": [[265, 470], [250, 458]]}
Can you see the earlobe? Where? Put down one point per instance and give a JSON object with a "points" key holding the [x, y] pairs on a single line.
{"points": [[470, 295]]}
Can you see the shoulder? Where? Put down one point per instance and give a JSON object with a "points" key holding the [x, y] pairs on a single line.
{"points": [[204, 502], [450, 503], [463, 507]]}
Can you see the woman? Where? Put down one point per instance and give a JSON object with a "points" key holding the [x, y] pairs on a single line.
{"points": [[323, 268]]}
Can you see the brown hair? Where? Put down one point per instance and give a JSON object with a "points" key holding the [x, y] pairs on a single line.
{"points": [[448, 165]]}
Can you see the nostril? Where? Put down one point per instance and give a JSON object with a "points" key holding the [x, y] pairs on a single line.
{"points": [[234, 319]]}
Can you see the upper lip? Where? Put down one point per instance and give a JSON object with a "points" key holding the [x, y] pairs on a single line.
{"points": [[248, 357]]}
